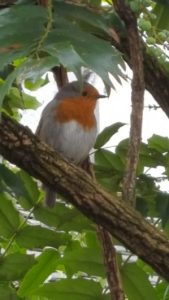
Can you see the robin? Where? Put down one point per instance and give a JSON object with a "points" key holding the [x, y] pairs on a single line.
{"points": [[68, 124]]}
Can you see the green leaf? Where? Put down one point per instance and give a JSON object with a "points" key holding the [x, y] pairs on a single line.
{"points": [[92, 240], [63, 217], [30, 186], [14, 266], [162, 290], [46, 264], [7, 292], [101, 57], [4, 88], [21, 100], [35, 85], [162, 206], [159, 143], [161, 11], [9, 216], [74, 289], [106, 134], [81, 14], [33, 237], [67, 56], [87, 260], [22, 185], [18, 32], [108, 159], [31, 68], [78, 223], [36, 68], [132, 276]]}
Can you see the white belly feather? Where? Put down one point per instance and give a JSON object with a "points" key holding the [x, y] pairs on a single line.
{"points": [[74, 142]]}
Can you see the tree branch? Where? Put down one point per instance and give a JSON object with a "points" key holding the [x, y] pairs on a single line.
{"points": [[137, 98], [19, 146], [111, 264], [155, 76]]}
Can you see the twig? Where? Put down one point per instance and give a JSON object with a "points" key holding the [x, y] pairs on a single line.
{"points": [[137, 98], [16, 232], [109, 253], [110, 261]]}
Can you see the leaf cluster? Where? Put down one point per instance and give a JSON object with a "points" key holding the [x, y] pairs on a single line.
{"points": [[34, 39]]}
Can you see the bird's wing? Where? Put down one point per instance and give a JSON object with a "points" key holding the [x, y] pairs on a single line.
{"points": [[48, 128]]}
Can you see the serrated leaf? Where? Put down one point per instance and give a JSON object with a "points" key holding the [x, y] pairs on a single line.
{"points": [[36, 68], [14, 266], [19, 32], [75, 289], [69, 27], [34, 237], [46, 264], [132, 276], [9, 216], [106, 134], [67, 56], [101, 57]]}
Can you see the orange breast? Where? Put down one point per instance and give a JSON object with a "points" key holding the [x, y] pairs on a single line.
{"points": [[81, 110]]}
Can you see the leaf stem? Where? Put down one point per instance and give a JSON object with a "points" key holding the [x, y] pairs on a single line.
{"points": [[47, 28], [16, 232]]}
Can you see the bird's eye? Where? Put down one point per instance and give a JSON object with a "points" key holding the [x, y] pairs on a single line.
{"points": [[84, 93]]}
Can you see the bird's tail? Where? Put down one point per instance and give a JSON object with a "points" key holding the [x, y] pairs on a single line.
{"points": [[49, 197]]}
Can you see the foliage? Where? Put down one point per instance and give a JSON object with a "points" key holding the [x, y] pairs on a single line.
{"points": [[46, 252]]}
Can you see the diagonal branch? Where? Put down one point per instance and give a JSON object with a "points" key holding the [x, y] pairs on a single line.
{"points": [[19, 146]]}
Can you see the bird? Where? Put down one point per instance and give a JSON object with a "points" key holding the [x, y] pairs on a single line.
{"points": [[68, 124]]}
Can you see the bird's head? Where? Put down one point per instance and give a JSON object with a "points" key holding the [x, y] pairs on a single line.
{"points": [[73, 90]]}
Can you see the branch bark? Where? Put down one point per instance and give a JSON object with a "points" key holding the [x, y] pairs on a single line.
{"points": [[137, 98], [19, 146], [111, 264], [155, 76]]}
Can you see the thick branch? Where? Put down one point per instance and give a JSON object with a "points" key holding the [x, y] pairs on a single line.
{"points": [[21, 147]]}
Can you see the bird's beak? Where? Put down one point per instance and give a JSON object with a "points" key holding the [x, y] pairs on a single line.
{"points": [[101, 96]]}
